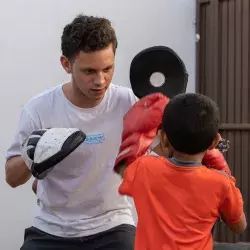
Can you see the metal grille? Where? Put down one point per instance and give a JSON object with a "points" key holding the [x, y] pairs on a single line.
{"points": [[223, 66]]}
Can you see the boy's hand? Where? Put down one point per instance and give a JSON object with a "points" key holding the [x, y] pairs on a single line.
{"points": [[140, 127], [215, 159]]}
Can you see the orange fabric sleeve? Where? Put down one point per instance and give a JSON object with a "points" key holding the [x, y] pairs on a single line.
{"points": [[126, 187], [231, 208]]}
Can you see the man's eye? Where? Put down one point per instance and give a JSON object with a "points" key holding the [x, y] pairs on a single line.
{"points": [[107, 69], [88, 71]]}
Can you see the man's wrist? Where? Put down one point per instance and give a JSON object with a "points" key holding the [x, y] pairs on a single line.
{"points": [[121, 167]]}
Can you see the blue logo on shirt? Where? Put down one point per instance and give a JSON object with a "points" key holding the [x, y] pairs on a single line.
{"points": [[94, 139]]}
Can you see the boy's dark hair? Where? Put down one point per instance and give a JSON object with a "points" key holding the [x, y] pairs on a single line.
{"points": [[87, 34], [191, 122]]}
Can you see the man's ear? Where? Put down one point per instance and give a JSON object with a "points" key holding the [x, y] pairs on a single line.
{"points": [[66, 64], [215, 141]]}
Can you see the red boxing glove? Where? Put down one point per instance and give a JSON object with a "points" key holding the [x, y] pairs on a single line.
{"points": [[215, 159], [140, 126]]}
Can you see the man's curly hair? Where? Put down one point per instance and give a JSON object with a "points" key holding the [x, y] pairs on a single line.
{"points": [[87, 34]]}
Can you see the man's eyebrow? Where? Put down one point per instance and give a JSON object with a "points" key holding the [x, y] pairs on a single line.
{"points": [[92, 69], [87, 68], [109, 66]]}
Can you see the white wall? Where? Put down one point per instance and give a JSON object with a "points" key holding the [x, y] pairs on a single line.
{"points": [[30, 34]]}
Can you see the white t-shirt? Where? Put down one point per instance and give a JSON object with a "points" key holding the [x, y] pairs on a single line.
{"points": [[80, 195]]}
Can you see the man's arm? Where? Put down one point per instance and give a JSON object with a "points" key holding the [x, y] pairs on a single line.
{"points": [[17, 172], [121, 168], [231, 209]]}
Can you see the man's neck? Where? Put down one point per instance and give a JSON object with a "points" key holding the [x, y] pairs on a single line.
{"points": [[75, 96]]}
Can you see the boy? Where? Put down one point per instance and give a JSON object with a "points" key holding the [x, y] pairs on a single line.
{"points": [[178, 200]]}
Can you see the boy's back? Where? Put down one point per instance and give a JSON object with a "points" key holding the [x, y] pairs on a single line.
{"points": [[179, 202]]}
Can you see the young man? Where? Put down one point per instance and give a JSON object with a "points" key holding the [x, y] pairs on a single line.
{"points": [[79, 206], [178, 199]]}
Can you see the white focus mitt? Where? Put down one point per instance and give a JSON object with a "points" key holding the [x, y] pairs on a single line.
{"points": [[45, 148]]}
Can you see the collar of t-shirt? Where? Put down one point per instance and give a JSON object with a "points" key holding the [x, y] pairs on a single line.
{"points": [[178, 162], [184, 163]]}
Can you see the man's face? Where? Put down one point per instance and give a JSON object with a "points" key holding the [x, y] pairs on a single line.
{"points": [[92, 72]]}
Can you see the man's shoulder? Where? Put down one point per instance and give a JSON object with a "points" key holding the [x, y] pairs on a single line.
{"points": [[123, 94], [42, 99], [120, 88]]}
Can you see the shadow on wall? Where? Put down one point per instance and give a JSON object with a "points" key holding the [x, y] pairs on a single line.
{"points": [[231, 246]]}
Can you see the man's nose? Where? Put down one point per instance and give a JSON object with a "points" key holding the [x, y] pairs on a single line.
{"points": [[99, 79]]}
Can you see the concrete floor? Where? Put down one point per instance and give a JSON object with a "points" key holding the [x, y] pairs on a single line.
{"points": [[231, 246]]}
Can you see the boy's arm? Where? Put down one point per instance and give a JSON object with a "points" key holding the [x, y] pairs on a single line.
{"points": [[231, 209], [140, 126], [128, 173], [215, 159], [240, 226]]}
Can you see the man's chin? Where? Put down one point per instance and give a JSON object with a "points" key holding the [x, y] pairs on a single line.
{"points": [[99, 95]]}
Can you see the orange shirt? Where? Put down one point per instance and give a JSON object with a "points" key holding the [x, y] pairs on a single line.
{"points": [[177, 206]]}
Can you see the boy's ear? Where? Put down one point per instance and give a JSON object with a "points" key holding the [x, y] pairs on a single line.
{"points": [[215, 142], [159, 133], [166, 148], [164, 139]]}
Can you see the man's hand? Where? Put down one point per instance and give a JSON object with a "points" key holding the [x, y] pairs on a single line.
{"points": [[34, 186], [45, 148]]}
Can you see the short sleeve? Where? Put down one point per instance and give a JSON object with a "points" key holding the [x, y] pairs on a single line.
{"points": [[127, 185], [133, 98], [25, 127], [231, 208]]}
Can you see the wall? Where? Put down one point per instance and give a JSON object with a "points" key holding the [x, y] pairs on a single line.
{"points": [[223, 63], [30, 49]]}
